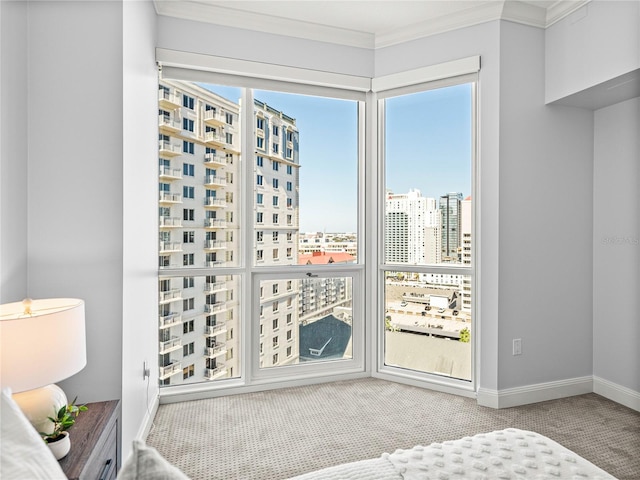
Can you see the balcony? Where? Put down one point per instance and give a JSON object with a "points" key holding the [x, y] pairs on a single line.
{"points": [[168, 149], [213, 352], [215, 307], [215, 117], [170, 222], [215, 329], [213, 202], [169, 124], [214, 223], [171, 369], [215, 244], [214, 263], [168, 173], [215, 139], [170, 320], [170, 295], [215, 159], [170, 345], [214, 181], [169, 247], [215, 287], [170, 198], [168, 100], [212, 373]]}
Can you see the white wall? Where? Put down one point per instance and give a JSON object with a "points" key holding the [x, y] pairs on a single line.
{"points": [[13, 151], [616, 245], [197, 37], [596, 43], [545, 222], [75, 176], [140, 228]]}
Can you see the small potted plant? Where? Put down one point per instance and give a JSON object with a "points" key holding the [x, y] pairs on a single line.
{"points": [[58, 439]]}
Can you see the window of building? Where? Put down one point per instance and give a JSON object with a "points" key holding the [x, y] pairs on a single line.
{"points": [[275, 201], [259, 199], [188, 214], [187, 124], [188, 102], [188, 147], [274, 148], [188, 192], [259, 180], [275, 218], [188, 282], [187, 259], [289, 186], [188, 349], [289, 170], [260, 161], [275, 183], [275, 165], [188, 169], [259, 236], [188, 236], [275, 130], [260, 143], [259, 216]]}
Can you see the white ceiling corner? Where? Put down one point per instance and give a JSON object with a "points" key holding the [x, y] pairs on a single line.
{"points": [[365, 23]]}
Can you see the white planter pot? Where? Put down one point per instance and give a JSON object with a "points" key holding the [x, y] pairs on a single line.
{"points": [[60, 448]]}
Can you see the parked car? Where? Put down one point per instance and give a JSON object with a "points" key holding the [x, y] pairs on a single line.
{"points": [[441, 310], [455, 312], [427, 307], [403, 304]]}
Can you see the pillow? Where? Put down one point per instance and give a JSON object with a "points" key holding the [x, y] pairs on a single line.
{"points": [[23, 453], [145, 463]]}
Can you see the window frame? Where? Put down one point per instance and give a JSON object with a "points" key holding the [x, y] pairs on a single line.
{"points": [[370, 194]]}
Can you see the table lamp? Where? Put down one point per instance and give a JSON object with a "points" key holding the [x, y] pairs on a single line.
{"points": [[41, 342]]}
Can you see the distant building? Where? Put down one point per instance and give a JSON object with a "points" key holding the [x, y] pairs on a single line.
{"points": [[407, 217], [449, 207]]}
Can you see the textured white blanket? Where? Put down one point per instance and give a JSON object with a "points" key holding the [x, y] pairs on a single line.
{"points": [[509, 454]]}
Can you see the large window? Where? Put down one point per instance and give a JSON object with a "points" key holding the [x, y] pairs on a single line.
{"points": [[427, 269], [259, 301], [274, 224]]}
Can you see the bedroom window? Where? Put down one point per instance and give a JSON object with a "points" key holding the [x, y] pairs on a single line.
{"points": [[232, 279], [428, 231]]}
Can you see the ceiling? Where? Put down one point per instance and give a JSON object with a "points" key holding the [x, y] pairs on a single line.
{"points": [[364, 23]]}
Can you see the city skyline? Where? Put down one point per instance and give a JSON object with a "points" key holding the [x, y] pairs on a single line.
{"points": [[434, 125]]}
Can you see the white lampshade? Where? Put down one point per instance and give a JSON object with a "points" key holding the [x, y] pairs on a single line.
{"points": [[41, 342]]}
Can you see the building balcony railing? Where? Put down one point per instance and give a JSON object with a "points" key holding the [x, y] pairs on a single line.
{"points": [[167, 197], [216, 351], [170, 222], [214, 223], [166, 247], [169, 123], [214, 287], [170, 320], [215, 159], [168, 100], [215, 244], [215, 138], [212, 202], [168, 173], [170, 295], [170, 345], [171, 369], [168, 149], [211, 330], [215, 307], [214, 263], [215, 181], [214, 117], [213, 373]]}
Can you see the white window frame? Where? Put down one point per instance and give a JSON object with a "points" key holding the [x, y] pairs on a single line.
{"points": [[365, 274]]}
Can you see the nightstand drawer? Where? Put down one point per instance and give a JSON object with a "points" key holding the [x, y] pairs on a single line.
{"points": [[102, 464]]}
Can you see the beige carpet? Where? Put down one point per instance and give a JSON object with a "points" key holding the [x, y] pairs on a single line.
{"points": [[282, 433]]}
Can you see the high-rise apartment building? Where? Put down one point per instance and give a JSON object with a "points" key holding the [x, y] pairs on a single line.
{"points": [[407, 217], [200, 148], [450, 226], [466, 214]]}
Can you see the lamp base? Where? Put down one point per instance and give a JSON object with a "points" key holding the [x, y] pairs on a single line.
{"points": [[41, 403]]}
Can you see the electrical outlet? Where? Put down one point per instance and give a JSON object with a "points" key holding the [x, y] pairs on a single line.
{"points": [[517, 346], [145, 370]]}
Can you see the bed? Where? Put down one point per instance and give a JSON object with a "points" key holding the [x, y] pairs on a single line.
{"points": [[509, 454]]}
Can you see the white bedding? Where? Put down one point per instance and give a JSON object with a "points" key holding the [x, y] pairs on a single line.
{"points": [[509, 454]]}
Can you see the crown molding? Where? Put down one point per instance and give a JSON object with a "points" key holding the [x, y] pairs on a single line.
{"points": [[561, 9], [229, 17], [522, 12]]}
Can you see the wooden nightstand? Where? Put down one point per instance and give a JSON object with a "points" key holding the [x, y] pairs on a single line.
{"points": [[95, 443]]}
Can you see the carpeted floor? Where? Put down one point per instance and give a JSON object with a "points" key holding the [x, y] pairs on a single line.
{"points": [[283, 433]]}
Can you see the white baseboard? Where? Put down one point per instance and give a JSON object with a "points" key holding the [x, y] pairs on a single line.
{"points": [[617, 393], [147, 421], [540, 392]]}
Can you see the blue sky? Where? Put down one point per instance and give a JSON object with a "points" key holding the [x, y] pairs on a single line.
{"points": [[428, 147]]}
